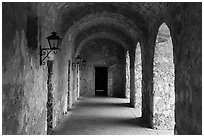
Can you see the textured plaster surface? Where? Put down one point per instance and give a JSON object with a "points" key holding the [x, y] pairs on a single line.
{"points": [[187, 42], [24, 82]]}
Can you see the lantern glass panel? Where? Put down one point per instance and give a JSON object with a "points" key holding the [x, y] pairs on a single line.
{"points": [[53, 43], [53, 40]]}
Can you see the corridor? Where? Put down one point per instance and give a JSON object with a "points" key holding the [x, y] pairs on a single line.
{"points": [[104, 116], [144, 58]]}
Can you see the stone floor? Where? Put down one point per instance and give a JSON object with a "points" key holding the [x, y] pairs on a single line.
{"points": [[103, 116]]}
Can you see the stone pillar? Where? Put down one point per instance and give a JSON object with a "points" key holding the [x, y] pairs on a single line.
{"points": [[132, 77], [75, 84], [71, 86], [187, 43], [147, 82], [78, 81], [50, 97]]}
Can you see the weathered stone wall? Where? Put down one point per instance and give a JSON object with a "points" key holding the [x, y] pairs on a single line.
{"points": [[147, 80], [186, 28], [138, 80], [108, 55], [59, 78], [127, 85], [117, 81], [164, 94], [25, 88], [24, 92], [63, 58]]}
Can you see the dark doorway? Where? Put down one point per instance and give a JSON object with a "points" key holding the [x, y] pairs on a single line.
{"points": [[101, 78]]}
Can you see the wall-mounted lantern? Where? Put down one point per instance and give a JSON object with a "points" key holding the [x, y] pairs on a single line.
{"points": [[83, 62], [79, 61], [53, 41], [73, 65]]}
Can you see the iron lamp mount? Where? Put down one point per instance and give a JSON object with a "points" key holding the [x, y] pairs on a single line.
{"points": [[53, 41]]}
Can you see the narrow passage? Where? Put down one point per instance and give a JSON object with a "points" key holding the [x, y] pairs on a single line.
{"points": [[103, 116]]}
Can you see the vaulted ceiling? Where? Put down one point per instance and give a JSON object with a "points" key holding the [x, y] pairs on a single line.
{"points": [[124, 23]]}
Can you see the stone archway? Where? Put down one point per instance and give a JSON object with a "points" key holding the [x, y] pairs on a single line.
{"points": [[163, 81]]}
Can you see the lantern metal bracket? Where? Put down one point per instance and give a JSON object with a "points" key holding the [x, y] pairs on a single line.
{"points": [[44, 53]]}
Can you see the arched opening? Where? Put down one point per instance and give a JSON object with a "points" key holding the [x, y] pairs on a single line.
{"points": [[163, 81], [127, 84], [138, 80]]}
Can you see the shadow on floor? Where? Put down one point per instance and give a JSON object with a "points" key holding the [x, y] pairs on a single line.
{"points": [[139, 122]]}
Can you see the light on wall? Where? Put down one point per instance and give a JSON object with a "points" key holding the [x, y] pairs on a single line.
{"points": [[53, 41]]}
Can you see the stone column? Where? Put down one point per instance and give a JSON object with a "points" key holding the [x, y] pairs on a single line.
{"points": [[78, 81], [147, 82], [187, 43], [50, 97], [71, 86], [75, 83], [132, 77]]}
